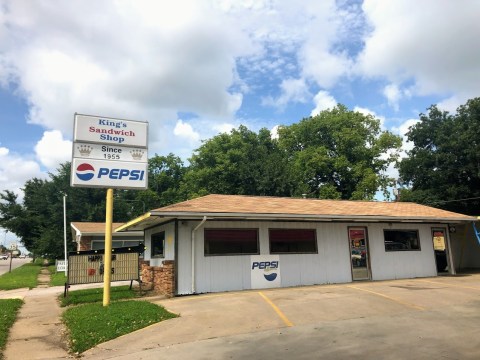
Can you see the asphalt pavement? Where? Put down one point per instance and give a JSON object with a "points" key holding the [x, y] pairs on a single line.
{"points": [[427, 318], [16, 262]]}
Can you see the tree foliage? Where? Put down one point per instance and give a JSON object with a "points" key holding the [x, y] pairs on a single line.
{"points": [[444, 165], [339, 154], [242, 162]]}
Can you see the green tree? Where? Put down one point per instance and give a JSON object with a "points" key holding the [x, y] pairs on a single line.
{"points": [[339, 154], [444, 165], [38, 219], [166, 174], [241, 162]]}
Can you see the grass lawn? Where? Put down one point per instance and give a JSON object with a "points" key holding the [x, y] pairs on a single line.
{"points": [[8, 314], [96, 295], [56, 278], [22, 277], [92, 324]]}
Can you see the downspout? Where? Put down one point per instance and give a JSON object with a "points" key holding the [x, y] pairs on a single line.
{"points": [[78, 239], [193, 252]]}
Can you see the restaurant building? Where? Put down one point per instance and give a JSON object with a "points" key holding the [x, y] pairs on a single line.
{"points": [[230, 242]]}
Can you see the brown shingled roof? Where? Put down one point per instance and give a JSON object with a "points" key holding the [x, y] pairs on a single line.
{"points": [[93, 227], [251, 205]]}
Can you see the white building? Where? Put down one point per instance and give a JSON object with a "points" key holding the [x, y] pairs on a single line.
{"points": [[228, 242]]}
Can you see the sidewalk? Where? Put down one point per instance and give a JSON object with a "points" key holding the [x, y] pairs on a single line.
{"points": [[38, 331]]}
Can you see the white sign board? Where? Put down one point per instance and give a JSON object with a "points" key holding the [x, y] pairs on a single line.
{"points": [[108, 174], [102, 130], [109, 152], [61, 265], [265, 271]]}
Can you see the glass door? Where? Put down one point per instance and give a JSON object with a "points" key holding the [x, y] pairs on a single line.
{"points": [[440, 249], [357, 237]]}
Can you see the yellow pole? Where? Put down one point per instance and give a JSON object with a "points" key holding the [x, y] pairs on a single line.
{"points": [[107, 269]]}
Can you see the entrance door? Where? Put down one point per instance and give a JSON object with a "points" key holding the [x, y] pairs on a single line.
{"points": [[357, 237], [439, 237]]}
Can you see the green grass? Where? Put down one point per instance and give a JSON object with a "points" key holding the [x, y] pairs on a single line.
{"points": [[8, 314], [56, 278], [92, 324], [96, 295], [22, 277]]}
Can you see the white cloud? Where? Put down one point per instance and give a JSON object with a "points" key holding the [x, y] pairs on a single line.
{"points": [[393, 95], [366, 111], [323, 101], [452, 103], [223, 128], [184, 130], [429, 43], [292, 90], [156, 60], [52, 149], [274, 132], [320, 59], [402, 131], [16, 170]]}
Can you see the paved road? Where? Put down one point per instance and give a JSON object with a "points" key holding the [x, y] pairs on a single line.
{"points": [[16, 262]]}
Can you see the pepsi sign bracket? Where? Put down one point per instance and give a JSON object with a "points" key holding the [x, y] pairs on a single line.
{"points": [[100, 158]]}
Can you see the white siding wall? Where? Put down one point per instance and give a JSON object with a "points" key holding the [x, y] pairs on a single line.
{"points": [[330, 265], [401, 264]]}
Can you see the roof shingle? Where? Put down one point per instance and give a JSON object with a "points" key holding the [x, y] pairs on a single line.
{"points": [[241, 204]]}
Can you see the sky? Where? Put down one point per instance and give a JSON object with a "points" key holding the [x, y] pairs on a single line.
{"points": [[196, 68]]}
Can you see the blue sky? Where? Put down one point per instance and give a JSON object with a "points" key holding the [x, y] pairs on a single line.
{"points": [[194, 68]]}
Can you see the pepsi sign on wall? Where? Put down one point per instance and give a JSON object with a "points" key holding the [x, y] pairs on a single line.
{"points": [[265, 271], [109, 153]]}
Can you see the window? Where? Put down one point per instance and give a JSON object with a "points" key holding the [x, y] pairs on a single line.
{"points": [[401, 240], [231, 241], [300, 241], [158, 244], [100, 245]]}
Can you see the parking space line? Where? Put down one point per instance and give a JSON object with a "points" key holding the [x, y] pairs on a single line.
{"points": [[416, 307], [447, 284], [277, 310]]}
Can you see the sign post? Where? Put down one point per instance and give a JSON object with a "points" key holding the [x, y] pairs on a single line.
{"points": [[109, 153], [108, 248]]}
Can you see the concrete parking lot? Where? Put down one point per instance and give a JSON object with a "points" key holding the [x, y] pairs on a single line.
{"points": [[426, 318]]}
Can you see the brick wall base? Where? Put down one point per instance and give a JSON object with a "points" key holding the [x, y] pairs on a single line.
{"points": [[159, 278]]}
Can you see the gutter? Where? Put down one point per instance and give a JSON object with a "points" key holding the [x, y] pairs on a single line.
{"points": [[193, 252], [313, 217], [78, 236]]}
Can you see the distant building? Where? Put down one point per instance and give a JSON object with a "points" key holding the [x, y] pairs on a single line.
{"points": [[91, 236]]}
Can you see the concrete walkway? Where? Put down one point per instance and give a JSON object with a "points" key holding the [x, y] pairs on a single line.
{"points": [[38, 331]]}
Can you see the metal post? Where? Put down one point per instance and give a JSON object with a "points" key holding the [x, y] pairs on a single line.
{"points": [[108, 248], [65, 230]]}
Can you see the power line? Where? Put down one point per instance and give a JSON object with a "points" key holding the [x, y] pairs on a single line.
{"points": [[447, 201]]}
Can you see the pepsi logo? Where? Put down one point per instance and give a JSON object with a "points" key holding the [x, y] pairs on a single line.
{"points": [[85, 172], [270, 277]]}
